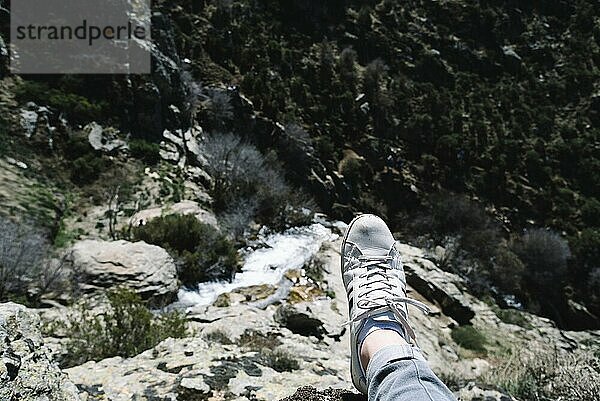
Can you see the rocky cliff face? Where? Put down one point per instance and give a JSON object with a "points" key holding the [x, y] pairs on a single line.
{"points": [[243, 348]]}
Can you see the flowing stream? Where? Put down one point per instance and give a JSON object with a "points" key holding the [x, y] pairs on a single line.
{"points": [[280, 252]]}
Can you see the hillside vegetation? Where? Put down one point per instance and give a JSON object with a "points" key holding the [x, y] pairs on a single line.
{"points": [[467, 124]]}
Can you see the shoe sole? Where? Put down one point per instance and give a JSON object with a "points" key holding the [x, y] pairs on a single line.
{"points": [[355, 359]]}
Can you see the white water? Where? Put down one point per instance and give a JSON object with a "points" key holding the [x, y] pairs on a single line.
{"points": [[291, 249]]}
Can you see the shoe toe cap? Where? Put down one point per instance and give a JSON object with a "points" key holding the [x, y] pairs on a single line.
{"points": [[371, 235]]}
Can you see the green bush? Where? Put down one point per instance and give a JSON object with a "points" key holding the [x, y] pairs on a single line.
{"points": [[87, 169], [507, 270], [79, 108], [204, 254], [127, 328], [77, 146], [146, 151], [470, 338], [29, 269]]}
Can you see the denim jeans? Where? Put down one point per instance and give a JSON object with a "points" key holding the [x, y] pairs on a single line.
{"points": [[401, 373]]}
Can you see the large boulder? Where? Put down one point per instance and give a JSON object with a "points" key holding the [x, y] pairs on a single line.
{"points": [[445, 289], [146, 269], [27, 371]]}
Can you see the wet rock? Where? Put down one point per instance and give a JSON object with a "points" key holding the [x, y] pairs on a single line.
{"points": [[146, 269], [27, 371], [104, 139]]}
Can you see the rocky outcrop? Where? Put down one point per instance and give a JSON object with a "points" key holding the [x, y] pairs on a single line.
{"points": [[249, 358], [245, 350], [104, 139], [185, 207], [27, 372], [39, 124], [443, 288], [182, 147], [146, 269]]}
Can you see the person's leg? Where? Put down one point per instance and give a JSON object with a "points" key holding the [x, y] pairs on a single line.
{"points": [[385, 363], [398, 371]]}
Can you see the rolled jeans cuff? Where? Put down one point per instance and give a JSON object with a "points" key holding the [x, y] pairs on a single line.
{"points": [[390, 354]]}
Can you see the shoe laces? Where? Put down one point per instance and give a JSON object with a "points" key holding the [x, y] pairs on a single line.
{"points": [[377, 278]]}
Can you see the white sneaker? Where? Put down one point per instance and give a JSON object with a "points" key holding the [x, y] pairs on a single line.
{"points": [[376, 286]]}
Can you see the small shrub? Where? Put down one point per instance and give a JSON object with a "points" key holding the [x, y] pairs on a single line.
{"points": [[241, 172], [280, 361], [87, 169], [457, 214], [315, 269], [79, 108], [217, 336], [257, 341], [220, 109], [127, 328], [470, 338], [507, 270], [544, 254], [203, 252], [22, 254], [461, 216], [238, 216], [77, 146], [146, 151]]}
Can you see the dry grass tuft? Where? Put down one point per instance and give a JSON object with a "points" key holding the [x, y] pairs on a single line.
{"points": [[557, 375]]}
